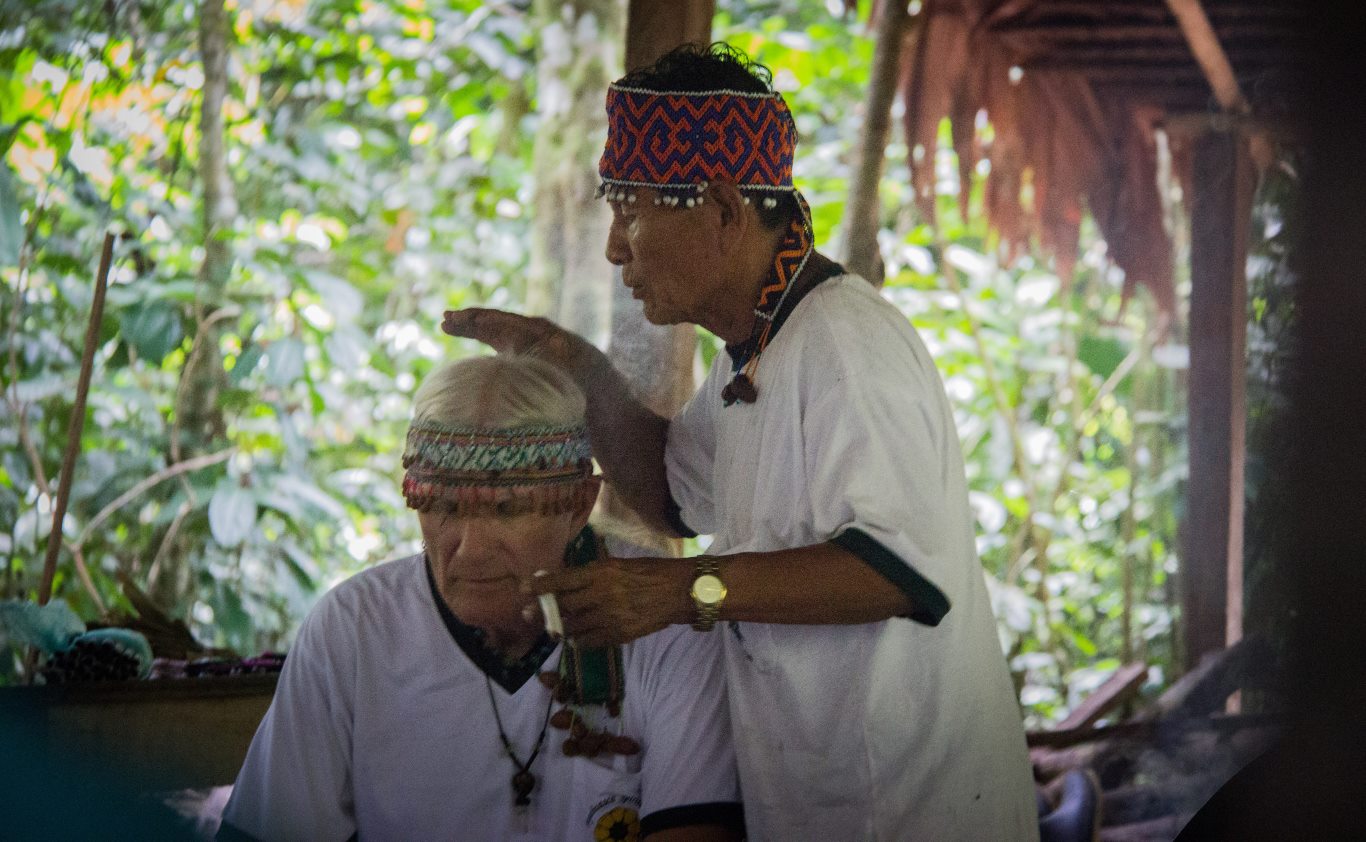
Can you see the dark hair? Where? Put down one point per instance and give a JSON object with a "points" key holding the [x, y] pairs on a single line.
{"points": [[717, 66]]}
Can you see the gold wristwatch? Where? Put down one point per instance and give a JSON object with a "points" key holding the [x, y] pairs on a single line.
{"points": [[708, 592]]}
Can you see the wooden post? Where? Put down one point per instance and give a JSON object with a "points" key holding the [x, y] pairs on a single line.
{"points": [[1212, 575], [653, 27], [656, 361]]}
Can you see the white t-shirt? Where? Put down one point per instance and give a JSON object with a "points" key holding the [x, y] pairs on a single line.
{"points": [[902, 729], [381, 727]]}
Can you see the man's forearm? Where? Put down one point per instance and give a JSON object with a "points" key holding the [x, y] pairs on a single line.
{"points": [[617, 600], [822, 584], [628, 440]]}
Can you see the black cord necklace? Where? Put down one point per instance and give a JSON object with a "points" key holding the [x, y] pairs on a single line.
{"points": [[523, 782]]}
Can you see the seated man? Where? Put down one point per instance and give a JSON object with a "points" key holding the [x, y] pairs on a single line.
{"points": [[409, 706]]}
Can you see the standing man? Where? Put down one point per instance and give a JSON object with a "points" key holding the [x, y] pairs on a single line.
{"points": [[868, 692]]}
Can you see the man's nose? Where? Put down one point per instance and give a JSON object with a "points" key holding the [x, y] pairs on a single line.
{"points": [[474, 541], [618, 250]]}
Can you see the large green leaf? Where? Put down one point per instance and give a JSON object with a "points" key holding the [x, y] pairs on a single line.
{"points": [[153, 328], [232, 513], [285, 364], [1101, 354]]}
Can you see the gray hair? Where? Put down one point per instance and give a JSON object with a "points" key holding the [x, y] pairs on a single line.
{"points": [[506, 391]]}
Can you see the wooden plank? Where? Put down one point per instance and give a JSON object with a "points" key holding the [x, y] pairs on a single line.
{"points": [[1156, 61], [1213, 528], [1075, 11], [1149, 729], [1116, 690], [1210, 53], [166, 735], [1100, 31], [1218, 674]]}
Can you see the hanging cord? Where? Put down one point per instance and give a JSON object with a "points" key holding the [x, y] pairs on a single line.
{"points": [[523, 781]]}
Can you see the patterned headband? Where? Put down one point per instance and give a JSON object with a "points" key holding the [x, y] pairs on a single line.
{"points": [[678, 141], [504, 472]]}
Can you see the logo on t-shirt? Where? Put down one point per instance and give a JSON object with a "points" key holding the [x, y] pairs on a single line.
{"points": [[619, 824]]}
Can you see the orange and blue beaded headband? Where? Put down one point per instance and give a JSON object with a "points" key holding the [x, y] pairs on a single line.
{"points": [[678, 141], [497, 471]]}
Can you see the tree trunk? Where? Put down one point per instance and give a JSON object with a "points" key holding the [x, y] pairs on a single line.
{"points": [[579, 54], [198, 417], [860, 250]]}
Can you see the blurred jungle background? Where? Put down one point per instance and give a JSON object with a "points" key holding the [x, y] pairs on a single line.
{"points": [[295, 213]]}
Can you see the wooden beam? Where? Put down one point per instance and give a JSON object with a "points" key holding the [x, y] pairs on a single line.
{"points": [[1212, 571], [1183, 75], [1077, 11], [1099, 31], [1209, 52], [1155, 58], [1214, 61], [1158, 730], [1117, 689]]}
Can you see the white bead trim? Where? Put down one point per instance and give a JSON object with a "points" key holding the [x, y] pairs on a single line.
{"points": [[687, 185], [717, 92]]}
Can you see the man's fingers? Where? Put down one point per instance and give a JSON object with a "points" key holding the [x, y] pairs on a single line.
{"points": [[558, 582], [502, 331]]}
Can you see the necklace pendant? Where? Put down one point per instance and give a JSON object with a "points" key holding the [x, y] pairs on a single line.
{"points": [[522, 784], [740, 389]]}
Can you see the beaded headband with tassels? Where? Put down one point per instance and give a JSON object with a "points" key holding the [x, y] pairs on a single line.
{"points": [[677, 143], [497, 471]]}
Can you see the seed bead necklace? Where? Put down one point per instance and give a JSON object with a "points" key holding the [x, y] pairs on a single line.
{"points": [[523, 781]]}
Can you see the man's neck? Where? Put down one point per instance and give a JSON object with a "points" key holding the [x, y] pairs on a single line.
{"points": [[512, 645], [733, 319], [736, 324]]}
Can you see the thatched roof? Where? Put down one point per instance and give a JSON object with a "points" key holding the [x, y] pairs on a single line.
{"points": [[1074, 90]]}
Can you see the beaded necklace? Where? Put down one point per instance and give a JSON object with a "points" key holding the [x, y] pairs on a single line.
{"points": [[523, 781]]}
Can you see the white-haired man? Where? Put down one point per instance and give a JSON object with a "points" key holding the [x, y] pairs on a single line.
{"points": [[420, 702]]}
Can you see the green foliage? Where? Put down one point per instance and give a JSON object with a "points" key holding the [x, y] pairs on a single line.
{"points": [[379, 154], [381, 158]]}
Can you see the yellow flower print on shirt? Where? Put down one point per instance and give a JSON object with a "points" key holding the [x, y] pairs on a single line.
{"points": [[619, 825]]}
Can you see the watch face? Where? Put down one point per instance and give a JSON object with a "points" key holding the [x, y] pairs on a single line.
{"points": [[708, 589]]}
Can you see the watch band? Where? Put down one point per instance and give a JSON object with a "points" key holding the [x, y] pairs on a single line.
{"points": [[707, 612]]}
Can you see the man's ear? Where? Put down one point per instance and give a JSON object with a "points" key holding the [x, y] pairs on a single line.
{"points": [[734, 215]]}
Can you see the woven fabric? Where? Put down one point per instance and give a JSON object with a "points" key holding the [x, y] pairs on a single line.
{"points": [[675, 139], [512, 471]]}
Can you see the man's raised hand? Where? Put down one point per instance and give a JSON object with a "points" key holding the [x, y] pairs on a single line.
{"points": [[509, 333]]}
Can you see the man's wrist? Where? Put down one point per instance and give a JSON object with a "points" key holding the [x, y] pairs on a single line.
{"points": [[708, 592], [684, 612]]}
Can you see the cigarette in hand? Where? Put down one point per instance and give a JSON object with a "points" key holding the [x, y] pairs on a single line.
{"points": [[550, 609]]}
